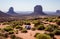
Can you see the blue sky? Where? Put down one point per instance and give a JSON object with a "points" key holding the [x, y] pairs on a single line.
{"points": [[28, 5]]}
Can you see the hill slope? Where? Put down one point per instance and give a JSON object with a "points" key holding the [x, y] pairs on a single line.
{"points": [[2, 14]]}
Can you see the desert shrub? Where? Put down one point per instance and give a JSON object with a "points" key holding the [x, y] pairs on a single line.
{"points": [[54, 26], [16, 31], [57, 32], [51, 34], [36, 34], [40, 27], [46, 19], [19, 27], [14, 26], [43, 36], [8, 28], [50, 20], [55, 20], [18, 38], [16, 23], [36, 23], [58, 22], [4, 23], [11, 32], [21, 23], [2, 30], [33, 29], [51, 28], [24, 30], [14, 37], [27, 22]]}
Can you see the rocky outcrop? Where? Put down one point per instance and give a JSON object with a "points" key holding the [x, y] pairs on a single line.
{"points": [[38, 10], [11, 11], [57, 11], [2, 14]]}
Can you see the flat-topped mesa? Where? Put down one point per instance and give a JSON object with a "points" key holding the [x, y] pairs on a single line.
{"points": [[11, 10], [38, 10]]}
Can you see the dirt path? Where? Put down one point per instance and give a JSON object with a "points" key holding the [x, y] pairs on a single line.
{"points": [[3, 26], [49, 22]]}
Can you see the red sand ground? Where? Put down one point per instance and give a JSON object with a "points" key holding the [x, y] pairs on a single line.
{"points": [[29, 35]]}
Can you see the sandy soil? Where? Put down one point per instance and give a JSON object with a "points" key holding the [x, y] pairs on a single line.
{"points": [[3, 26], [29, 35], [57, 36]]}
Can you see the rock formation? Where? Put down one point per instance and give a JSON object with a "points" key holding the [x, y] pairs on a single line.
{"points": [[2, 14], [38, 10], [11, 10], [57, 11]]}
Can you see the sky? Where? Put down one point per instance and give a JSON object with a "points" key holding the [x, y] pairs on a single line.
{"points": [[28, 5]]}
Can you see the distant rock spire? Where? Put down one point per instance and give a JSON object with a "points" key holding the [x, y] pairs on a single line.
{"points": [[38, 10], [11, 10]]}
